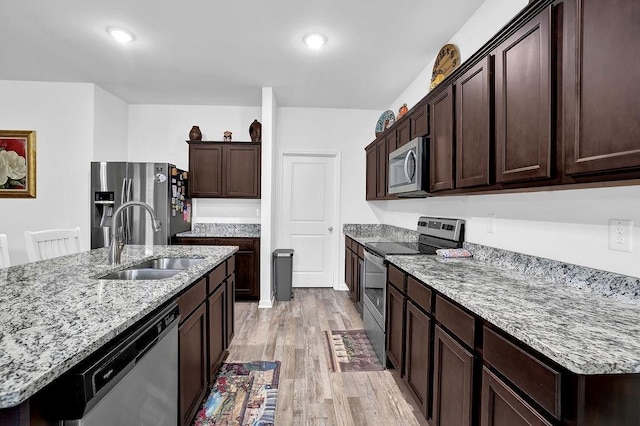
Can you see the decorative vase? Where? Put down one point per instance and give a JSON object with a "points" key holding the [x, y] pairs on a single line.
{"points": [[227, 136], [255, 131], [403, 110], [195, 134]]}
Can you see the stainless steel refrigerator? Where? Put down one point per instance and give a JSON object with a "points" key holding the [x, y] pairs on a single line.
{"points": [[161, 185]]}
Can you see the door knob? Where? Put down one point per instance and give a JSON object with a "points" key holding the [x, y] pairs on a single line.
{"points": [[331, 229]]}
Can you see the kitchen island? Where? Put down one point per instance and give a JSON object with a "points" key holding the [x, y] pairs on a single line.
{"points": [[57, 312]]}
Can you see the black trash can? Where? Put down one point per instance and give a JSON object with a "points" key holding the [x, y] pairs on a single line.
{"points": [[283, 274]]}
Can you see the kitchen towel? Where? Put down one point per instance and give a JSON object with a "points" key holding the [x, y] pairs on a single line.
{"points": [[459, 252]]}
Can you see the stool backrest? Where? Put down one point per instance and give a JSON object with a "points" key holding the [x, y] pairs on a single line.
{"points": [[4, 252], [43, 245]]}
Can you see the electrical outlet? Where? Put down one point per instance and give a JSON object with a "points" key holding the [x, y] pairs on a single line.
{"points": [[491, 223], [620, 235]]}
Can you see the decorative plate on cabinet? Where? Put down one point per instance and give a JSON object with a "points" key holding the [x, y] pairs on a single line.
{"points": [[385, 121], [447, 60]]}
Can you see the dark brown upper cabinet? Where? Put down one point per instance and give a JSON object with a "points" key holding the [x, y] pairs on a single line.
{"points": [[241, 168], [383, 160], [419, 119], [523, 91], [224, 170], [372, 172], [441, 144], [205, 168], [473, 126], [602, 95], [403, 132]]}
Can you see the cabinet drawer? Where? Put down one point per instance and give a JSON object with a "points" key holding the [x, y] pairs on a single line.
{"points": [[242, 243], [537, 380], [460, 323], [396, 277], [193, 297], [348, 242], [419, 294], [216, 277]]}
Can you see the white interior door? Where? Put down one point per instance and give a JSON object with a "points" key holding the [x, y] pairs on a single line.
{"points": [[308, 218]]}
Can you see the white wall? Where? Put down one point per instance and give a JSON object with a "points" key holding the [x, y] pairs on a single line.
{"points": [[346, 132], [267, 193], [62, 116], [566, 225], [158, 133], [111, 126], [490, 17]]}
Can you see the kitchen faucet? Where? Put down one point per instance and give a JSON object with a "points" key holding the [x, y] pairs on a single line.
{"points": [[117, 245]]}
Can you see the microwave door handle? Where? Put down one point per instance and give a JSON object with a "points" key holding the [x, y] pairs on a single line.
{"points": [[406, 166]]}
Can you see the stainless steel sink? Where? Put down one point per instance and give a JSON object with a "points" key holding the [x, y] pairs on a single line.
{"points": [[140, 274], [168, 263]]}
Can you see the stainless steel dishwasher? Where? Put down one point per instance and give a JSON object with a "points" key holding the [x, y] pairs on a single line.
{"points": [[132, 382]]}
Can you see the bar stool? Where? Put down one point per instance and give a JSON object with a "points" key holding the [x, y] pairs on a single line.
{"points": [[50, 243]]}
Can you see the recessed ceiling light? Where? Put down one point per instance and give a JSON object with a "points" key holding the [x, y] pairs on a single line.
{"points": [[315, 41], [122, 36]]}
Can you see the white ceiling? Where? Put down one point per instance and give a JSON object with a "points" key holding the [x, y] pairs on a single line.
{"points": [[205, 52]]}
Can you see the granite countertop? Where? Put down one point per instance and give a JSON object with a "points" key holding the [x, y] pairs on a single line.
{"points": [[584, 319], [584, 332], [55, 313], [223, 230]]}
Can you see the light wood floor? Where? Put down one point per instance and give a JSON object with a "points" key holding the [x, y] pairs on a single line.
{"points": [[309, 393]]}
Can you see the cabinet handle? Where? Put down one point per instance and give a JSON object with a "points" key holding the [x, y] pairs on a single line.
{"points": [[331, 229]]}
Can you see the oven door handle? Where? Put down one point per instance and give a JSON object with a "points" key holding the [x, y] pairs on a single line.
{"points": [[373, 258]]}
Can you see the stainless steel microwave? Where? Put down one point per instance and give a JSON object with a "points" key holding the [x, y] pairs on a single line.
{"points": [[409, 169]]}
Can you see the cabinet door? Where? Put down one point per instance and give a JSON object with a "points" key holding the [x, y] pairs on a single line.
{"points": [[193, 363], [473, 117], [602, 95], [354, 276], [383, 160], [502, 407], [242, 171], [441, 146], [523, 102], [416, 369], [205, 164], [360, 282], [419, 119], [348, 270], [230, 296], [216, 312], [403, 132], [395, 327], [247, 266], [372, 172], [452, 381]]}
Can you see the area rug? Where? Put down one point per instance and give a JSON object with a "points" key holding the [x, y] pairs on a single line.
{"points": [[243, 394], [350, 350]]}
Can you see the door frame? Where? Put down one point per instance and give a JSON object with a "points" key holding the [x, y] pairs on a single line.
{"points": [[335, 241]]}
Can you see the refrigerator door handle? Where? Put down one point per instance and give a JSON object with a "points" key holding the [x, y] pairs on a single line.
{"points": [[123, 199], [128, 231]]}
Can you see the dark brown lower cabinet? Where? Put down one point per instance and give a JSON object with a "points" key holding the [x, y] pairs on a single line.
{"points": [[230, 296], [247, 258], [453, 382], [502, 407], [216, 314], [395, 327], [193, 354], [416, 367]]}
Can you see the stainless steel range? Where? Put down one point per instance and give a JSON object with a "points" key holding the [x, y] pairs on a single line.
{"points": [[434, 233]]}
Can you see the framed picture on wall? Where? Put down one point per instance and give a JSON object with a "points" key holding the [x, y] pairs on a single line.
{"points": [[17, 164]]}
